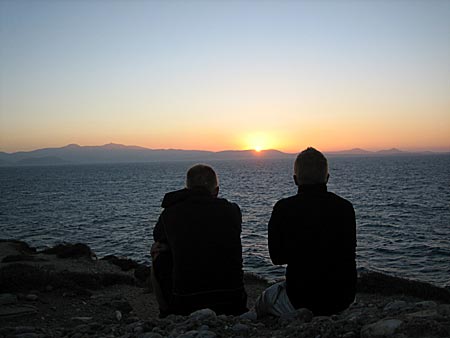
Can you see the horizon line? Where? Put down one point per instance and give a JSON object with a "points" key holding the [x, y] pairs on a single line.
{"points": [[424, 150]]}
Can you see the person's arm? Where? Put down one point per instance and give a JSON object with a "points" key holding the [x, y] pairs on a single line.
{"points": [[159, 234], [352, 236], [159, 246], [160, 240], [275, 238], [238, 215]]}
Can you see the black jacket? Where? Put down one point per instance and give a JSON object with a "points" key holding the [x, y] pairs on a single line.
{"points": [[203, 233], [314, 233]]}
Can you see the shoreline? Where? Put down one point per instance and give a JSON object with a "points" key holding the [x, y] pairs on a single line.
{"points": [[65, 291]]}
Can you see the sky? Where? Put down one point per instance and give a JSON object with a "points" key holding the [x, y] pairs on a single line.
{"points": [[220, 75]]}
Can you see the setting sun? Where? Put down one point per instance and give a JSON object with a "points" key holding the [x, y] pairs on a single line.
{"points": [[259, 141]]}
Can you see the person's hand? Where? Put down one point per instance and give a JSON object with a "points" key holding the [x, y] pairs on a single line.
{"points": [[157, 248]]}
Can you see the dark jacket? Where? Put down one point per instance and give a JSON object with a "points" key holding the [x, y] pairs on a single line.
{"points": [[314, 233], [203, 233]]}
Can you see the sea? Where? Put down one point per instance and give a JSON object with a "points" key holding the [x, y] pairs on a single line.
{"points": [[402, 206]]}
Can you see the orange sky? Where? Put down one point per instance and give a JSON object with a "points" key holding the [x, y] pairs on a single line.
{"points": [[217, 76]]}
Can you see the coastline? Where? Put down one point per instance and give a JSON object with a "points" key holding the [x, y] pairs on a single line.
{"points": [[66, 291]]}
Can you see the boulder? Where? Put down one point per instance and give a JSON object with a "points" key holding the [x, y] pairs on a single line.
{"points": [[78, 250], [395, 306], [22, 258], [7, 298], [125, 264], [382, 328], [203, 314], [375, 282], [142, 272]]}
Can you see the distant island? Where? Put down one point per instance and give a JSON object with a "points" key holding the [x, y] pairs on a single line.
{"points": [[119, 153]]}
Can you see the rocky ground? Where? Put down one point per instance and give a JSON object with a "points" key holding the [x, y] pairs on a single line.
{"points": [[66, 291]]}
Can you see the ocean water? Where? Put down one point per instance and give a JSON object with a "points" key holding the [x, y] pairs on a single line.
{"points": [[402, 207]]}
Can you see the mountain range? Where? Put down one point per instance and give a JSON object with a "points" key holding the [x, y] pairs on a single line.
{"points": [[119, 153]]}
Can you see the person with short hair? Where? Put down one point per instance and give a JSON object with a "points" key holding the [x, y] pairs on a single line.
{"points": [[197, 253], [314, 233]]}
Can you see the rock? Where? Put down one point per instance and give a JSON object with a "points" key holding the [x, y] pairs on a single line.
{"points": [[189, 334], [203, 314], [396, 305], [81, 319], [240, 328], [321, 319], [31, 297], [20, 258], [6, 331], [150, 335], [206, 334], [430, 313], [125, 264], [20, 277], [250, 315], [138, 330], [78, 250], [349, 334], [287, 317], [118, 315], [304, 315], [27, 335], [82, 328], [159, 330], [382, 328], [95, 326], [19, 246], [130, 327], [16, 310], [375, 282], [131, 320], [24, 329], [142, 272], [121, 305], [7, 298], [428, 304]]}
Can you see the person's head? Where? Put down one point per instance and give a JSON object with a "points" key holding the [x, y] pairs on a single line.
{"points": [[310, 167], [202, 176]]}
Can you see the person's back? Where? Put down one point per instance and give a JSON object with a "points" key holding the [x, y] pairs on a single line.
{"points": [[203, 234], [314, 233]]}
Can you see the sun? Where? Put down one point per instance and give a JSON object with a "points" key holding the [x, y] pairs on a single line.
{"points": [[257, 141]]}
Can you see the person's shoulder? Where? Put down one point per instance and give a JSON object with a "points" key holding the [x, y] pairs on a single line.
{"points": [[286, 202], [340, 200], [229, 208], [227, 203], [174, 197]]}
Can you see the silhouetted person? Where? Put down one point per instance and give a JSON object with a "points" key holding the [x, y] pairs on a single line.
{"points": [[314, 233], [197, 254]]}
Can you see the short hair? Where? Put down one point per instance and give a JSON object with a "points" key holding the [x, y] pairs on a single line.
{"points": [[201, 175], [311, 167]]}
